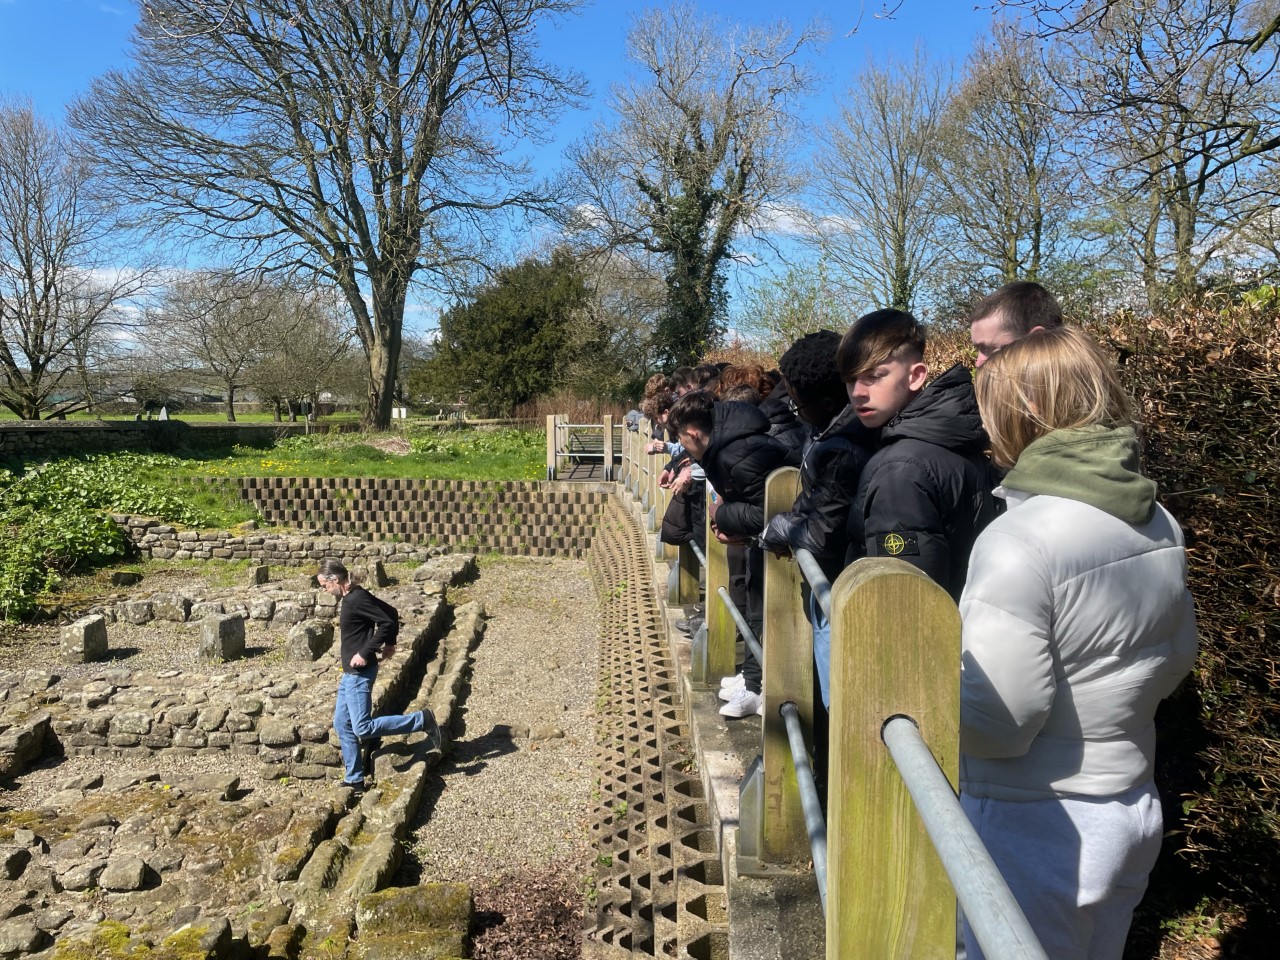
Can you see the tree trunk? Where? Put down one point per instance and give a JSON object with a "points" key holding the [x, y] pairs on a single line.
{"points": [[384, 354], [231, 404]]}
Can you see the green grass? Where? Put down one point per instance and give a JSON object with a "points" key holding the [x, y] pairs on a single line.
{"points": [[454, 455]]}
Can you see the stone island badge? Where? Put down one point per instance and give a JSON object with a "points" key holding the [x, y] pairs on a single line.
{"points": [[898, 544]]}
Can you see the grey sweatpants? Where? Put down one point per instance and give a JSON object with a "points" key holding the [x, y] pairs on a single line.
{"points": [[1078, 866]]}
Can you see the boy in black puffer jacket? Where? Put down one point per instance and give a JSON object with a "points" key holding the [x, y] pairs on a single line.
{"points": [[926, 494], [731, 441]]}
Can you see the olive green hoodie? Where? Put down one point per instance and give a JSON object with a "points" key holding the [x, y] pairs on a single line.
{"points": [[1096, 465]]}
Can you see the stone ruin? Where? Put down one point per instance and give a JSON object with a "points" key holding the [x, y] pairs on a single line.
{"points": [[211, 823]]}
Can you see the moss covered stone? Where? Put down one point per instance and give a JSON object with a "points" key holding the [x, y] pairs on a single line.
{"points": [[430, 907]]}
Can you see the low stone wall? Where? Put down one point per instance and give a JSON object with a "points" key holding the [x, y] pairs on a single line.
{"points": [[33, 440], [163, 541], [524, 518]]}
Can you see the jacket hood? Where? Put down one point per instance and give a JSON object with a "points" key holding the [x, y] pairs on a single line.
{"points": [[1096, 465], [944, 413], [776, 408], [732, 421]]}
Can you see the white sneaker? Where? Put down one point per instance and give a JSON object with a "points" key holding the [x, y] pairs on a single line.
{"points": [[744, 703], [737, 680]]}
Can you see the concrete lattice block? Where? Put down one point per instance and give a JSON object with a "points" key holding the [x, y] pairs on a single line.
{"points": [[85, 641], [222, 638]]}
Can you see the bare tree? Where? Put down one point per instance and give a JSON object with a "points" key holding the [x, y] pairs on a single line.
{"points": [[695, 154], [307, 344], [212, 326], [803, 299], [360, 140], [882, 203], [1177, 102], [1007, 183], [62, 289]]}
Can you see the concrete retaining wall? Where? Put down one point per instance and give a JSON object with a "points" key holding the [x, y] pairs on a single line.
{"points": [[514, 517]]}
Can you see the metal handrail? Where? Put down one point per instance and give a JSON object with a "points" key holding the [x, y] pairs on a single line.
{"points": [[818, 581], [747, 634], [998, 923], [814, 820]]}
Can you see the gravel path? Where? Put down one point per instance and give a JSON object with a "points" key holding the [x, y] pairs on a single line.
{"points": [[503, 805]]}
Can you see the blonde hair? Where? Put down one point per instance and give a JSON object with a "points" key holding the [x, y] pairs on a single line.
{"points": [[1051, 379]]}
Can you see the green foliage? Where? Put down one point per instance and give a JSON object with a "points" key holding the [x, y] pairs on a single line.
{"points": [[54, 522], [697, 302], [510, 342], [116, 481]]}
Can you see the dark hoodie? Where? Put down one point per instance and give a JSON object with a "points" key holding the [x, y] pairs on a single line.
{"points": [[784, 425], [738, 461], [925, 495]]}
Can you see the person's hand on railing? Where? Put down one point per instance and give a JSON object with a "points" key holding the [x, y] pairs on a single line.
{"points": [[683, 480], [777, 535], [655, 446], [665, 478]]}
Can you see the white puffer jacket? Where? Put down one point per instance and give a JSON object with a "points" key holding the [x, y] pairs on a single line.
{"points": [[1076, 624]]}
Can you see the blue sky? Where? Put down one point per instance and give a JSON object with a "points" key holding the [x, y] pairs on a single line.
{"points": [[50, 50]]}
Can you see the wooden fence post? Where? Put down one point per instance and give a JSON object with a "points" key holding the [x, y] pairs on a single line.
{"points": [[895, 651], [788, 675], [606, 472], [552, 438], [722, 633]]}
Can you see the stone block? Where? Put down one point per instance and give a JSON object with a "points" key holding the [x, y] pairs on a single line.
{"points": [[259, 575], [289, 612], [221, 638], [309, 640], [277, 733], [122, 578], [21, 936], [206, 608], [261, 608], [123, 874], [13, 860], [135, 611], [85, 641], [170, 606], [430, 906]]}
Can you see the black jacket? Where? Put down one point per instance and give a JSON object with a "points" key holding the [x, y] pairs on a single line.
{"points": [[833, 461], [367, 624], [738, 461], [925, 495], [784, 425]]}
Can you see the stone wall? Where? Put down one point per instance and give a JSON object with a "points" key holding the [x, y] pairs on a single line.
{"points": [[513, 517], [34, 440], [163, 541]]}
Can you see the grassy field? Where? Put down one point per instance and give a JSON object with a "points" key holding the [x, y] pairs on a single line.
{"points": [[451, 455]]}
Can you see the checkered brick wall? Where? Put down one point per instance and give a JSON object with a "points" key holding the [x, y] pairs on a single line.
{"points": [[524, 518]]}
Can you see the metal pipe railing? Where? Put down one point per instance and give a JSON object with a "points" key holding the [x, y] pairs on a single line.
{"points": [[747, 633], [818, 581], [814, 819], [997, 921]]}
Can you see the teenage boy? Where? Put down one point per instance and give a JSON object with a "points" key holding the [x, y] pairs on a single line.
{"points": [[369, 628], [925, 494], [731, 441], [837, 448], [1009, 314]]}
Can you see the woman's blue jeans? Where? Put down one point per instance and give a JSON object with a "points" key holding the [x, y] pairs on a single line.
{"points": [[354, 721]]}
